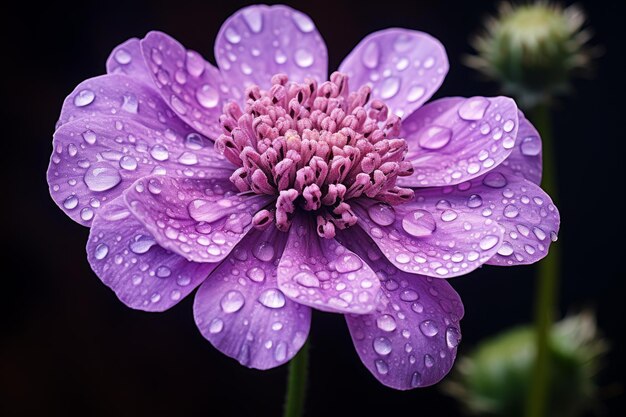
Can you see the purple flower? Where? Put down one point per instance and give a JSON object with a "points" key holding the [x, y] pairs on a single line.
{"points": [[347, 196]]}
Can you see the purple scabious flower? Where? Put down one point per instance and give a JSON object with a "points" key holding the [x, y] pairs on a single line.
{"points": [[275, 190]]}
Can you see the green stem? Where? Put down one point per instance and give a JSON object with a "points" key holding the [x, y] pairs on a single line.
{"points": [[296, 383], [547, 280]]}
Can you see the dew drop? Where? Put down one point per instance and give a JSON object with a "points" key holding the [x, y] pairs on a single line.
{"points": [[263, 251], [159, 152], [130, 103], [505, 249], [232, 36], [409, 295], [101, 177], [71, 202], [304, 23], [382, 345], [473, 108], [254, 19], [272, 298], [101, 252], [89, 136], [348, 263], [232, 301], [84, 98], [453, 337], [474, 201], [510, 211], [86, 214], [216, 326], [307, 279], [381, 366], [304, 58], [494, 180], [122, 56], [389, 87], [163, 272], [429, 361], [429, 328], [280, 353], [370, 54], [382, 214], [449, 215], [386, 323], [416, 379], [488, 242], [141, 244], [419, 223], [128, 163], [256, 274], [434, 137], [415, 93], [531, 146], [207, 96]]}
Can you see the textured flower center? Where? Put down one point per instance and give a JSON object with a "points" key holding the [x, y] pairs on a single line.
{"points": [[314, 147]]}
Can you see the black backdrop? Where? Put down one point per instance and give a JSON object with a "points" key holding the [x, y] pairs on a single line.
{"points": [[67, 346]]}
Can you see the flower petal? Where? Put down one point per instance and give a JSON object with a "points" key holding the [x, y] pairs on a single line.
{"points": [[118, 95], [95, 159], [412, 341], [141, 273], [241, 311], [323, 274], [525, 211], [427, 237], [456, 139], [190, 85], [260, 41], [127, 59], [201, 220], [404, 67], [525, 158]]}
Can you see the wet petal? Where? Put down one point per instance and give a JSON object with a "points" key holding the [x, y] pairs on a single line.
{"points": [[525, 211], [428, 238], [118, 95], [404, 67], [323, 274], [412, 341], [456, 139], [191, 86], [201, 220], [525, 159], [241, 311], [260, 41], [127, 59], [129, 261], [95, 159]]}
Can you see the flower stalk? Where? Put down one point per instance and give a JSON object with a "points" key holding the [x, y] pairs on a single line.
{"points": [[297, 383]]}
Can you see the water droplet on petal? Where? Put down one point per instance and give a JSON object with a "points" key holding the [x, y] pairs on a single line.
{"points": [[254, 19], [232, 35], [304, 23], [141, 244], [272, 298], [488, 242], [101, 177], [429, 328], [381, 366], [84, 98], [86, 214], [280, 353], [122, 56], [511, 211], [307, 279], [89, 136], [415, 93], [419, 223], [434, 137], [101, 252], [429, 361], [348, 263], [453, 337], [263, 251], [386, 323], [207, 96], [216, 326], [409, 295], [256, 274], [130, 103], [474, 201], [473, 108], [382, 346], [449, 215], [370, 55], [389, 87], [70, 202], [416, 379], [505, 249], [232, 301], [128, 163], [382, 214], [494, 180], [159, 152], [194, 64], [531, 146], [304, 58]]}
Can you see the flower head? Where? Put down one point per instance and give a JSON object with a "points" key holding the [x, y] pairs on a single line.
{"points": [[276, 190], [533, 49]]}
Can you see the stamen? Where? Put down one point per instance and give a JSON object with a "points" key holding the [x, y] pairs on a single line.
{"points": [[315, 148]]}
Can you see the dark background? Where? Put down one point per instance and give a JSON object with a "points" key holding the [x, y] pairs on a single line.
{"points": [[68, 346]]}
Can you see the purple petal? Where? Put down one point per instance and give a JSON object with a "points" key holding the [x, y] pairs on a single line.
{"points": [[128, 260], [323, 274], [412, 341], [525, 158], [260, 41], [190, 85], [426, 237], [241, 311], [201, 220], [95, 159], [127, 59], [525, 211], [456, 139], [404, 67], [118, 95]]}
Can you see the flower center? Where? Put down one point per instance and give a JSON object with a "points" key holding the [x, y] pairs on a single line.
{"points": [[314, 147]]}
